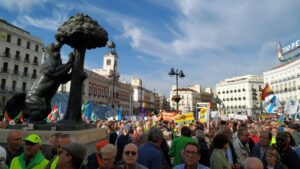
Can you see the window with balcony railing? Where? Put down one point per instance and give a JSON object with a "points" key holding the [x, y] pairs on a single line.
{"points": [[28, 45], [8, 38], [26, 59], [36, 48], [14, 84], [34, 76], [24, 87], [35, 61], [3, 84], [17, 55], [16, 70], [19, 42]]}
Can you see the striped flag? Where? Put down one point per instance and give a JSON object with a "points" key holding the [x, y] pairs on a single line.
{"points": [[53, 115], [265, 92]]}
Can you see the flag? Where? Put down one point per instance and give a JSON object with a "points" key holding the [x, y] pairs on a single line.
{"points": [[19, 118], [207, 115], [291, 107], [271, 104], [215, 115], [120, 110], [265, 92], [280, 120], [142, 113], [53, 116], [88, 108]]}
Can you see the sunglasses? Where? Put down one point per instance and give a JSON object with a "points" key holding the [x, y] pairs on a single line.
{"points": [[130, 153]]}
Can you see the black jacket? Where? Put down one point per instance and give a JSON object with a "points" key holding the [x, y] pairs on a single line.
{"points": [[289, 158], [92, 162]]}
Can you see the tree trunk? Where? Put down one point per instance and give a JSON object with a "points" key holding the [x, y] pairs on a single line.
{"points": [[73, 113]]}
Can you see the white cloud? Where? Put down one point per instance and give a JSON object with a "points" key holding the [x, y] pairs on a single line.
{"points": [[21, 6], [48, 23]]}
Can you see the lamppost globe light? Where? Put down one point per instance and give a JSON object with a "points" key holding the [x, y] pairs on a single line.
{"points": [[172, 72], [180, 74]]}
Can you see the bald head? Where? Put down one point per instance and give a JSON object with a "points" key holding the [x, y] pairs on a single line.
{"points": [[14, 140], [253, 163], [130, 155], [131, 147]]}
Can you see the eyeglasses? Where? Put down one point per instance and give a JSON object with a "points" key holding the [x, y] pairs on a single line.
{"points": [[130, 153]]}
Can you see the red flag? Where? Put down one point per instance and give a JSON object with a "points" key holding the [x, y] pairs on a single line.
{"points": [[53, 115], [265, 92]]}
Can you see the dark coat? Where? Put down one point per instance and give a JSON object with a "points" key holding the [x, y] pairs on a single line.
{"points": [[256, 153], [10, 155], [289, 158], [278, 166], [121, 142], [150, 156], [92, 162]]}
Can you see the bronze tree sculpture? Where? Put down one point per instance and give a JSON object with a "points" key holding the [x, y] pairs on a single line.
{"points": [[80, 32]]}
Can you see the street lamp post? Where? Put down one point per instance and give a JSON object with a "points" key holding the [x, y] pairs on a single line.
{"points": [[114, 76], [180, 74], [254, 98], [141, 99]]}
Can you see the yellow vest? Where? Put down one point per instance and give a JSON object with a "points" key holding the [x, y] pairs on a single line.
{"points": [[54, 162], [17, 163]]}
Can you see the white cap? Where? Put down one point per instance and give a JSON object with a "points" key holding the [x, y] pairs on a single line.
{"points": [[2, 152]]}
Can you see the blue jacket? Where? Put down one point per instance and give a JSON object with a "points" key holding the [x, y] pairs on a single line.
{"points": [[150, 156]]}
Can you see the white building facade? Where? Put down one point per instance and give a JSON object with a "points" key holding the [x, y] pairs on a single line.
{"points": [[284, 80], [144, 98], [189, 97], [237, 94], [20, 58]]}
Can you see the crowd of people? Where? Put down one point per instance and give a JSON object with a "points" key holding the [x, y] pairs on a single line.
{"points": [[162, 145]]}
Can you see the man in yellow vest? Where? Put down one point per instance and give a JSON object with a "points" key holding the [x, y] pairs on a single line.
{"points": [[32, 158], [62, 140]]}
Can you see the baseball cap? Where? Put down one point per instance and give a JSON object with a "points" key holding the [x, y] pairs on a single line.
{"points": [[33, 138], [75, 150], [101, 144]]}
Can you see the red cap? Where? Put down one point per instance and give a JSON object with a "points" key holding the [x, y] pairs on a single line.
{"points": [[101, 144]]}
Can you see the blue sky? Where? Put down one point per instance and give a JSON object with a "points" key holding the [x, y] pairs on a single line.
{"points": [[208, 40]]}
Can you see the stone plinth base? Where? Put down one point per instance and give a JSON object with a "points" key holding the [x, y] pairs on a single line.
{"points": [[56, 126], [88, 137]]}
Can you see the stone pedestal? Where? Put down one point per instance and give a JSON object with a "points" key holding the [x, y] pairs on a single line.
{"points": [[88, 137]]}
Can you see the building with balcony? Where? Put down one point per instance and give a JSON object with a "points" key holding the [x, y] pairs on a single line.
{"points": [[144, 98], [189, 97], [104, 87], [284, 80], [240, 94], [20, 57]]}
